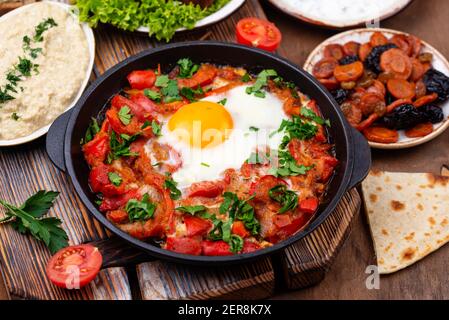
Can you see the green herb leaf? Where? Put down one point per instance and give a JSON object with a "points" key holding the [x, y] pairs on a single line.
{"points": [[192, 94], [125, 115], [28, 219], [236, 243], [120, 147], [223, 101], [115, 179], [288, 199], [162, 81], [171, 185], [253, 129], [14, 116], [156, 127], [152, 95], [261, 82], [308, 113], [246, 78], [204, 164], [187, 68], [140, 210], [238, 209], [91, 131], [42, 27], [192, 209]]}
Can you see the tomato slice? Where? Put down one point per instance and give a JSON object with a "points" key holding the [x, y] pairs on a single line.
{"points": [[215, 248], [184, 245], [207, 189], [196, 226], [309, 205], [74, 267], [258, 33], [141, 79], [238, 228]]}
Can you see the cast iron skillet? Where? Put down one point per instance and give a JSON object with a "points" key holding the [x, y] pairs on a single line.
{"points": [[63, 139]]}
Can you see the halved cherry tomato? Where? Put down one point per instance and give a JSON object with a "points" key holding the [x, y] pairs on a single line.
{"points": [[425, 100], [215, 248], [324, 68], [196, 226], [238, 228], [74, 267], [349, 72], [421, 130], [378, 39], [334, 51], [351, 48], [141, 79], [309, 205], [401, 89], [364, 51], [381, 135], [207, 189], [184, 245], [397, 62], [258, 33]]}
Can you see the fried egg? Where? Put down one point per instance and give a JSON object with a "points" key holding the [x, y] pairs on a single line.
{"points": [[220, 132]]}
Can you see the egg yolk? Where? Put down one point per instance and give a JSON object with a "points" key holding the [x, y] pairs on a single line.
{"points": [[201, 124]]}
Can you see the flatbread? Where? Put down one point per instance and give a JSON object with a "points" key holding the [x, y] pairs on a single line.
{"points": [[408, 214]]}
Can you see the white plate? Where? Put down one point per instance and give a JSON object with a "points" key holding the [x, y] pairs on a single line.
{"points": [[91, 45], [215, 17], [363, 35], [329, 20]]}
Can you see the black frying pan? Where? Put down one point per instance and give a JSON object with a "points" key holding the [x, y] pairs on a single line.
{"points": [[63, 139]]}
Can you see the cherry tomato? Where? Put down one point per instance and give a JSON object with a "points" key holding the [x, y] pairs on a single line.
{"points": [[258, 33], [74, 267], [141, 79]]}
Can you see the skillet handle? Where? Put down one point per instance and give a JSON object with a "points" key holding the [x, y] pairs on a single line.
{"points": [[55, 140], [362, 159]]}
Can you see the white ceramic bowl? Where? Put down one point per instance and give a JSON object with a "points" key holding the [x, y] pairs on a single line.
{"points": [[329, 20], [215, 17], [439, 62], [91, 45]]}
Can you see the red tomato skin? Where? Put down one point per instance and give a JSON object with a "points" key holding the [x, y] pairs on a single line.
{"points": [[260, 187], [96, 150], [114, 203], [204, 76], [196, 226], [141, 79], [309, 205], [238, 228], [249, 246], [215, 248], [91, 260], [99, 181], [287, 230], [207, 189], [184, 245], [258, 36]]}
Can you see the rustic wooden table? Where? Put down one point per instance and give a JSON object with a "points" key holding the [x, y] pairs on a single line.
{"points": [[346, 279]]}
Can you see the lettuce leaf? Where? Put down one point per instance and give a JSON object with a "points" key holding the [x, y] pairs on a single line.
{"points": [[162, 17]]}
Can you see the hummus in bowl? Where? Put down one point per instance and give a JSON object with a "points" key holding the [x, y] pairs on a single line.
{"points": [[46, 58]]}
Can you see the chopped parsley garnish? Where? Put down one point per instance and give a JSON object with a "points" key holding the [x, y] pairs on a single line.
{"points": [[240, 210], [14, 116], [223, 101], [298, 128], [115, 179], [140, 210], [172, 186], [246, 78], [28, 219], [258, 158], [156, 127], [162, 81], [236, 243], [152, 95], [288, 166], [91, 131], [187, 68], [120, 147], [308, 113], [253, 129], [288, 199], [125, 115], [192, 209], [191, 94], [261, 82], [204, 164], [169, 88], [25, 66]]}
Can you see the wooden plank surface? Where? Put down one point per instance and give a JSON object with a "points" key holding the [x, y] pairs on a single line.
{"points": [[346, 280]]}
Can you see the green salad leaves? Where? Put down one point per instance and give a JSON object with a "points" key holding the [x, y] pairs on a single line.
{"points": [[162, 17]]}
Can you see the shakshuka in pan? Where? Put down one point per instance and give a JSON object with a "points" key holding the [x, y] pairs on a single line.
{"points": [[208, 159]]}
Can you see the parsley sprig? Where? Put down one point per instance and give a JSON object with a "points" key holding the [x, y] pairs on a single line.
{"points": [[288, 199], [261, 82], [120, 146], [172, 186], [91, 131], [25, 66], [140, 210], [187, 68], [168, 88], [28, 219]]}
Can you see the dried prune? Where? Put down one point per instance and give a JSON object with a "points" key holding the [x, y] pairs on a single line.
{"points": [[348, 60], [437, 82], [432, 113], [340, 95], [403, 117], [372, 61]]}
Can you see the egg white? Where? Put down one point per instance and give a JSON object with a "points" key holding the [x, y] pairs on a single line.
{"points": [[208, 164]]}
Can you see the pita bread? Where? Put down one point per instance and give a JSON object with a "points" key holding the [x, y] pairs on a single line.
{"points": [[408, 215]]}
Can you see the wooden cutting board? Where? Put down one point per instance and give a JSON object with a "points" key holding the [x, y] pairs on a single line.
{"points": [[130, 274]]}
